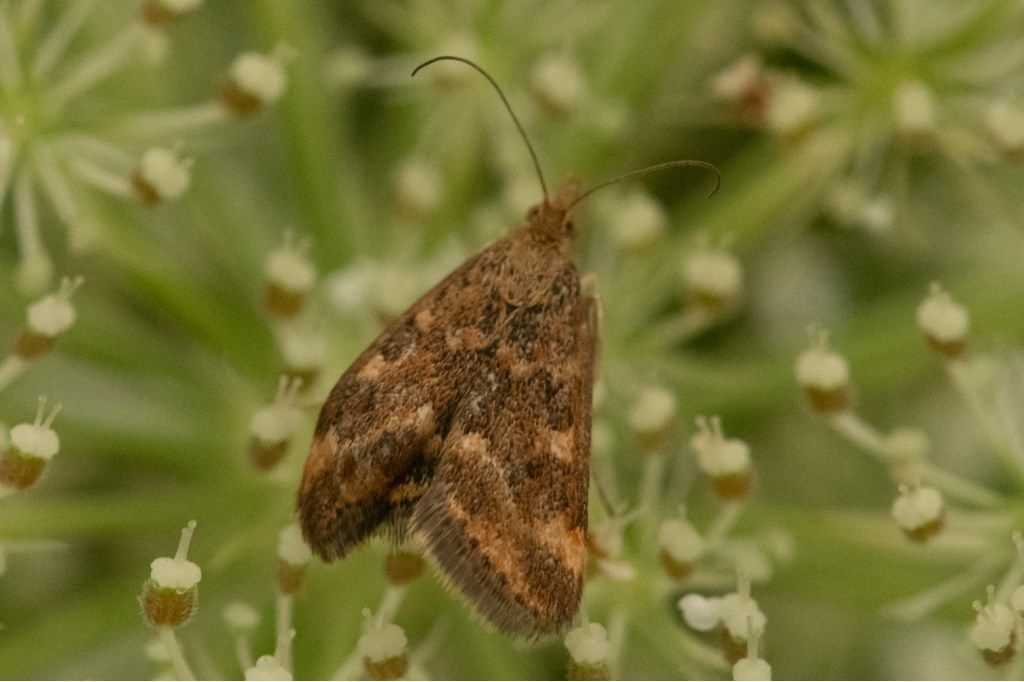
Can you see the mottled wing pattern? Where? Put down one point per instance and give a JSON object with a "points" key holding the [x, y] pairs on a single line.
{"points": [[505, 514], [382, 426]]}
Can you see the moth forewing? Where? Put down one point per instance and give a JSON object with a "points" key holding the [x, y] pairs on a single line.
{"points": [[468, 421]]}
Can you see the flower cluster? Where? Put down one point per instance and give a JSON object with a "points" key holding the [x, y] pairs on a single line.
{"points": [[883, 85], [49, 155], [933, 501]]}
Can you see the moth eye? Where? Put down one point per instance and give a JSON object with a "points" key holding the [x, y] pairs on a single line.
{"points": [[532, 213], [569, 227]]}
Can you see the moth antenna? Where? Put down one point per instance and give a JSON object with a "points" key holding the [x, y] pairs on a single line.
{"points": [[504, 99], [692, 163]]}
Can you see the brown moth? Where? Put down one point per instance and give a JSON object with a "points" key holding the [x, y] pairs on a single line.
{"points": [[466, 425]]}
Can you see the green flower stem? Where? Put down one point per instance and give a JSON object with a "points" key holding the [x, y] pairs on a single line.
{"points": [[170, 642]]}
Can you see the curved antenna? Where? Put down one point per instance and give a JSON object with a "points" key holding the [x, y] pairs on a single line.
{"points": [[515, 119], [652, 169]]}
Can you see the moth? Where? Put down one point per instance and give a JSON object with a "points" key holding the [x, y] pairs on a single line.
{"points": [[466, 424]]}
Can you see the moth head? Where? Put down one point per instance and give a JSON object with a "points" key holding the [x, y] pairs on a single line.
{"points": [[553, 216]]}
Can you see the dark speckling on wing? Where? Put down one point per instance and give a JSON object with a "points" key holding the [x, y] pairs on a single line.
{"points": [[466, 423]]}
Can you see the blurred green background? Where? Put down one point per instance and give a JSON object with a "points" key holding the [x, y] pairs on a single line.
{"points": [[172, 352]]}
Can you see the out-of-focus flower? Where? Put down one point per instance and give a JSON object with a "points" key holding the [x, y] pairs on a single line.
{"points": [[384, 649], [919, 511], [995, 630], [944, 322], [725, 460], [824, 376], [652, 414], [27, 450], [292, 556], [588, 652]]}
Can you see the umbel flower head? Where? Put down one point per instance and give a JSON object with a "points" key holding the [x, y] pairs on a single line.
{"points": [[881, 85], [169, 596], [50, 155]]}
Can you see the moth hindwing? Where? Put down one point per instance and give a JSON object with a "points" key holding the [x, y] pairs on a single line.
{"points": [[466, 424]]}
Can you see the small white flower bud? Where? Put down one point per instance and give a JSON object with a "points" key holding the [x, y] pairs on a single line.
{"points": [[383, 648], [274, 423], [743, 85], [588, 644], [240, 616], [793, 107], [256, 80], [1005, 123], [725, 460], [824, 375], [735, 80], [637, 220], [944, 322], [272, 426], [29, 447], [37, 440], [53, 314], [713, 279], [291, 547], [305, 352], [994, 631], [680, 546], [290, 276], [169, 596], [914, 109], [652, 414], [260, 75], [919, 512], [701, 613], [739, 611], [417, 187], [267, 669], [162, 175], [177, 573], [557, 84]]}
